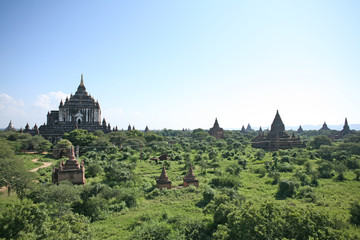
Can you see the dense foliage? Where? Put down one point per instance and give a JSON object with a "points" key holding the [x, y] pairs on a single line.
{"points": [[244, 193]]}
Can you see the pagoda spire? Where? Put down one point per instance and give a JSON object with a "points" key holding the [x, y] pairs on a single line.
{"points": [[277, 125], [216, 124], [81, 88], [82, 80]]}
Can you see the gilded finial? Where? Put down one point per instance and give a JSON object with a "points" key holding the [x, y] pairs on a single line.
{"points": [[82, 80]]}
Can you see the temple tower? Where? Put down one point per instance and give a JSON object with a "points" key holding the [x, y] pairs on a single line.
{"points": [[190, 178], [70, 171], [216, 131], [163, 181], [277, 138], [324, 127]]}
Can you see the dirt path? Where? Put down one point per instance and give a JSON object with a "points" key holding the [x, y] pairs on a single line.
{"points": [[45, 164]]}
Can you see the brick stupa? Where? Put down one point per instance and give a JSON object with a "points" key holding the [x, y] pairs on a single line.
{"points": [[324, 127], [70, 171], [163, 181], [190, 178], [216, 131]]}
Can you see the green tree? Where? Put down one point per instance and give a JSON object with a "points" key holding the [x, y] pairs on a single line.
{"points": [[26, 220], [151, 136], [117, 138], [355, 213], [287, 188], [274, 221], [318, 141], [13, 173], [80, 137], [199, 134]]}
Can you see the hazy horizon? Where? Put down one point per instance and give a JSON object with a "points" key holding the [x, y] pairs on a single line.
{"points": [[178, 65]]}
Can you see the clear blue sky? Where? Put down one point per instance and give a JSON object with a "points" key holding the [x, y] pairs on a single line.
{"points": [[180, 64]]}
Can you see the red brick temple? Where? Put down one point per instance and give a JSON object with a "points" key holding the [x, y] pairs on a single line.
{"points": [[70, 171], [163, 181], [277, 138], [190, 178]]}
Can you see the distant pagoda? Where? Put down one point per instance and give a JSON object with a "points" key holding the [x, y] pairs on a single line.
{"points": [[345, 131], [216, 131], [163, 181], [300, 130], [248, 128], [10, 127], [190, 178], [243, 130], [277, 138], [324, 127]]}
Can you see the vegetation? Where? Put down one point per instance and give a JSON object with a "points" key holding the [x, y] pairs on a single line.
{"points": [[244, 193]]}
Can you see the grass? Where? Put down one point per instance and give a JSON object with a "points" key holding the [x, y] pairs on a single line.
{"points": [[331, 196], [175, 204]]}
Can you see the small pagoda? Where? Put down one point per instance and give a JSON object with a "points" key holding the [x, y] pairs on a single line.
{"points": [[277, 138], [10, 127], [300, 130], [324, 127], [243, 130], [70, 171], [216, 131], [163, 181], [190, 178], [248, 128]]}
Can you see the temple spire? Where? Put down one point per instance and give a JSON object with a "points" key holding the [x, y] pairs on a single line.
{"points": [[277, 125], [216, 124], [81, 88], [82, 80]]}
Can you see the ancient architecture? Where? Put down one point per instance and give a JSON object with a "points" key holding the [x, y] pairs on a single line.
{"points": [[345, 131], [248, 128], [324, 127], [277, 138], [300, 130], [80, 111], [190, 178], [243, 130], [147, 129], [163, 181], [70, 171], [34, 131], [216, 131], [10, 127]]}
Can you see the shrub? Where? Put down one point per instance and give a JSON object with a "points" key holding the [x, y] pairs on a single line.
{"points": [[261, 171], [285, 159], [225, 181], [285, 167], [233, 169], [355, 213], [275, 176], [326, 170], [287, 188], [306, 192]]}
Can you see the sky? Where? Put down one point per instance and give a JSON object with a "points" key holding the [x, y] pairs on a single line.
{"points": [[181, 64]]}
